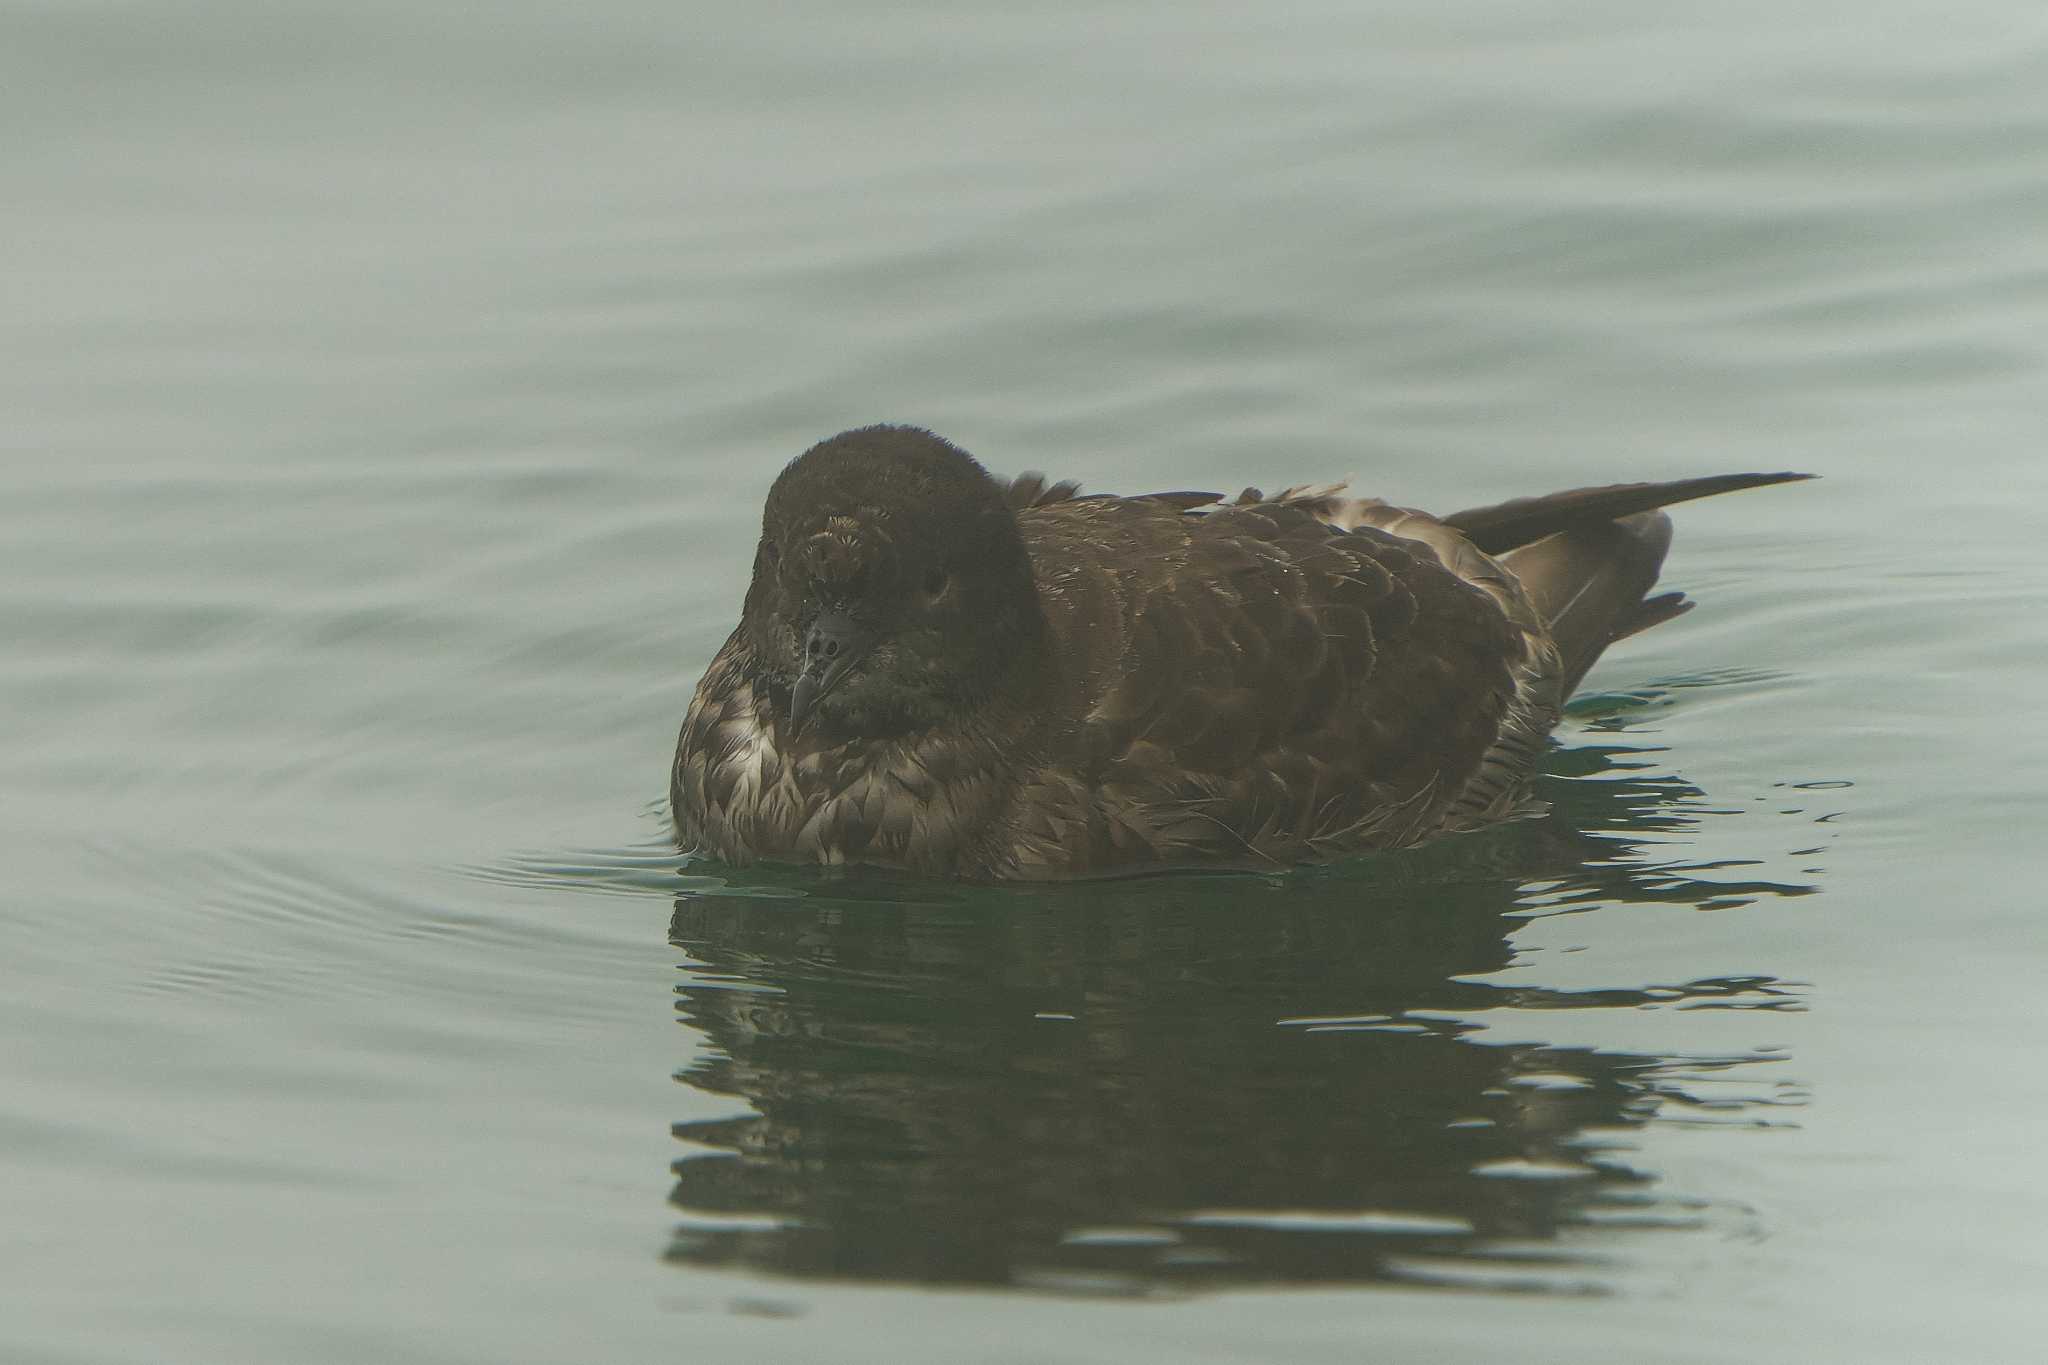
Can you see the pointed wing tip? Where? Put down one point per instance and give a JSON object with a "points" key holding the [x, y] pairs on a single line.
{"points": [[1737, 482]]}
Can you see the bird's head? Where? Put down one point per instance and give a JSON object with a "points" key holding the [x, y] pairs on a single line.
{"points": [[891, 588]]}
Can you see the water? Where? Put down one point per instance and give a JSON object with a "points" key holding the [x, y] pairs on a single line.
{"points": [[390, 395]]}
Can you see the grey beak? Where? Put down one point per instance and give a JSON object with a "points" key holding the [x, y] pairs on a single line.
{"points": [[834, 643]]}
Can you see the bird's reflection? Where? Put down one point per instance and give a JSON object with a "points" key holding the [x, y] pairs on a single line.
{"points": [[1185, 1079]]}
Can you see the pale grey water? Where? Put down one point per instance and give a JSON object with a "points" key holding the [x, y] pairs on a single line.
{"points": [[390, 391]]}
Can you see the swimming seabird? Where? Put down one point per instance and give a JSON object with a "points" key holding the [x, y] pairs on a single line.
{"points": [[938, 670]]}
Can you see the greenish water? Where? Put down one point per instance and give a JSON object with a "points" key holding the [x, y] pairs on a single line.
{"points": [[390, 394]]}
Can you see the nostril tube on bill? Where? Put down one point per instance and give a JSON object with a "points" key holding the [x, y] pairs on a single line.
{"points": [[832, 645]]}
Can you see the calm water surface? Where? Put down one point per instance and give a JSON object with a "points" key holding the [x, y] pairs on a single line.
{"points": [[390, 394]]}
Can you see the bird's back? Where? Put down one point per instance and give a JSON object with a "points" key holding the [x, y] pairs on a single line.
{"points": [[1264, 683]]}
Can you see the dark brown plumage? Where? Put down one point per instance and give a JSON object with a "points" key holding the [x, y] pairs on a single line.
{"points": [[940, 671]]}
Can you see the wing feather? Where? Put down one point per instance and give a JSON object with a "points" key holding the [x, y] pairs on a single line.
{"points": [[1282, 685]]}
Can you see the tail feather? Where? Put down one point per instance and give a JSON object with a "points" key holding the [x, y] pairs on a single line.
{"points": [[1588, 557], [1509, 525], [1654, 611], [1590, 585]]}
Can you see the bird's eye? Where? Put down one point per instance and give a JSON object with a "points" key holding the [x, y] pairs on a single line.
{"points": [[934, 581]]}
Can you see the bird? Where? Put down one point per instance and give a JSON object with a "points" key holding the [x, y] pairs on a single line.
{"points": [[979, 679]]}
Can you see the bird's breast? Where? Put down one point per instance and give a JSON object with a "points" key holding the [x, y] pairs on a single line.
{"points": [[745, 790]]}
